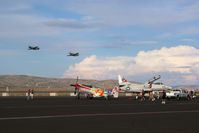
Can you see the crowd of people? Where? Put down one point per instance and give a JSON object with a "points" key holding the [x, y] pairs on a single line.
{"points": [[162, 95], [151, 96], [30, 94]]}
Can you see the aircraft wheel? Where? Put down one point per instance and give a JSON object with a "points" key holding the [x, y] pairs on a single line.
{"points": [[78, 96], [178, 97], [108, 97]]}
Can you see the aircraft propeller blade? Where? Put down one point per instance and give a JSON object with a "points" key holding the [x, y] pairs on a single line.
{"points": [[90, 86], [75, 85]]}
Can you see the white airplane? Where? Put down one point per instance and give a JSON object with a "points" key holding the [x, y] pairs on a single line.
{"points": [[149, 86]]}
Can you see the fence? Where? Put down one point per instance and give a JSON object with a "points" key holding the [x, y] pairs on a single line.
{"points": [[53, 93]]}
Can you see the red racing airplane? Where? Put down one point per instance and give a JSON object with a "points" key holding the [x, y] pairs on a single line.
{"points": [[91, 92]]}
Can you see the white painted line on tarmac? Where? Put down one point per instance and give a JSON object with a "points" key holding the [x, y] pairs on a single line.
{"points": [[89, 105], [98, 114]]}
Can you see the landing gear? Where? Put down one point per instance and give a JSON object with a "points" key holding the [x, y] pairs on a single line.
{"points": [[89, 97], [78, 96], [178, 97]]}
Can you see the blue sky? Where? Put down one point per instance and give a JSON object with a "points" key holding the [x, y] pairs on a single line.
{"points": [[127, 37]]}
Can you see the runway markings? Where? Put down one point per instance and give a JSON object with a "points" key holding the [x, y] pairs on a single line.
{"points": [[98, 114], [88, 105]]}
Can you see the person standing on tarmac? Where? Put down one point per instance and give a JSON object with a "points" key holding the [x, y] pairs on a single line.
{"points": [[28, 94], [142, 96], [164, 97], [151, 96], [32, 94]]}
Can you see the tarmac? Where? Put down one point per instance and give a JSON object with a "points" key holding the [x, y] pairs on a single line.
{"points": [[69, 115]]}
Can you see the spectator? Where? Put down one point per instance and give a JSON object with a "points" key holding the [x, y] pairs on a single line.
{"points": [[32, 94], [164, 97], [28, 94]]}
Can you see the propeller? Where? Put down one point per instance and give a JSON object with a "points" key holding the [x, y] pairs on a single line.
{"points": [[90, 86], [75, 85]]}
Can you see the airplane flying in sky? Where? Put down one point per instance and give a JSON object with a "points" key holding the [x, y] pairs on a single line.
{"points": [[91, 92], [73, 54], [33, 48], [149, 86]]}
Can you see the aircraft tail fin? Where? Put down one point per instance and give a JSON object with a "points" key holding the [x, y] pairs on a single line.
{"points": [[119, 79]]}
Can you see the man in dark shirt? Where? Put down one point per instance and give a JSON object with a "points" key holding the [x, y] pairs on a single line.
{"points": [[164, 97]]}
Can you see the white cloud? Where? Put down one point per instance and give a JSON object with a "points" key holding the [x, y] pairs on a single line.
{"points": [[187, 40], [13, 26], [83, 24], [190, 30], [182, 61], [98, 68], [19, 19], [20, 26], [127, 12]]}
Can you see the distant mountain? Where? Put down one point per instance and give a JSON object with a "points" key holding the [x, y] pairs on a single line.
{"points": [[23, 82], [189, 87]]}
